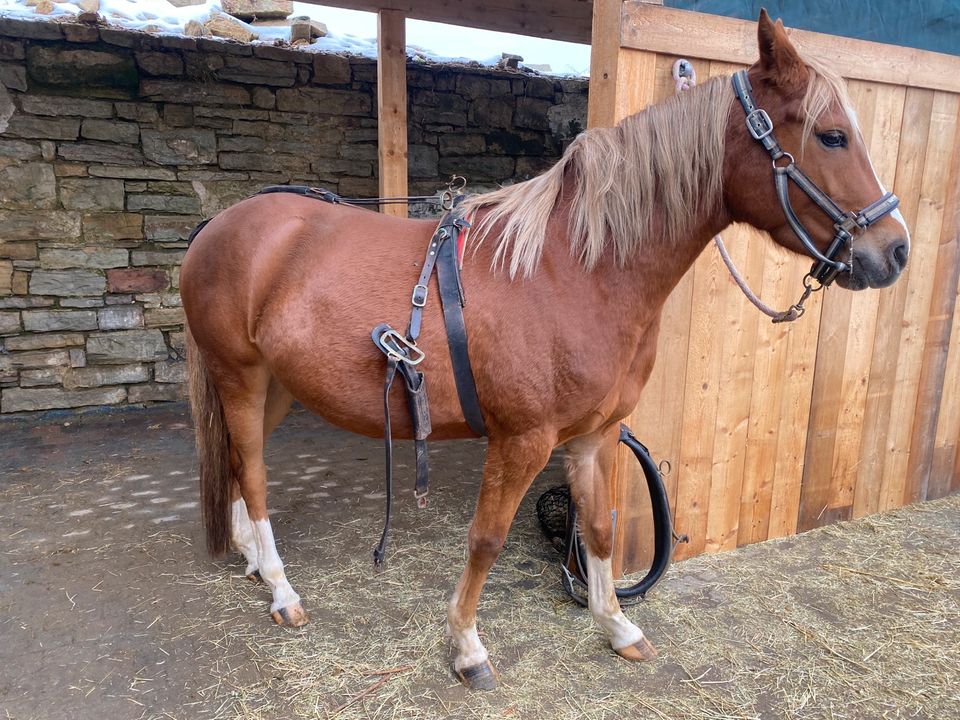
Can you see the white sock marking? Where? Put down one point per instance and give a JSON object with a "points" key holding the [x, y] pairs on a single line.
{"points": [[271, 567], [242, 535], [470, 651], [604, 606]]}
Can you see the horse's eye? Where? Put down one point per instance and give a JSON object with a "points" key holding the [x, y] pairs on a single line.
{"points": [[833, 139]]}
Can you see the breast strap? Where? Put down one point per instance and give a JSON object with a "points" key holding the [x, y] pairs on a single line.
{"points": [[404, 355]]}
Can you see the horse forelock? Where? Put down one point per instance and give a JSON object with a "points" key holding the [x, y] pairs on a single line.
{"points": [[825, 90], [656, 172]]}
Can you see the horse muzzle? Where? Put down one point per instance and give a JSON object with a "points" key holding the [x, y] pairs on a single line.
{"points": [[873, 268]]}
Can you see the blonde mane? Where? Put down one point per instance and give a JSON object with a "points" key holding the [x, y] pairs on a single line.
{"points": [[662, 165]]}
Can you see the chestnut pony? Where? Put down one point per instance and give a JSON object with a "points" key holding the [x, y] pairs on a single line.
{"points": [[565, 279]]}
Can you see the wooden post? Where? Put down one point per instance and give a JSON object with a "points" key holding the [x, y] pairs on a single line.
{"points": [[604, 50], [392, 107]]}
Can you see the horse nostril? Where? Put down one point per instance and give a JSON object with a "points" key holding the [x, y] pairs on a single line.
{"points": [[900, 252]]}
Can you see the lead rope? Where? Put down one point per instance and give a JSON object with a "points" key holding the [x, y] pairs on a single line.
{"points": [[685, 77]]}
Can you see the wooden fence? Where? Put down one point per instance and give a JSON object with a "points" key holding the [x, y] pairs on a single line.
{"points": [[776, 429]]}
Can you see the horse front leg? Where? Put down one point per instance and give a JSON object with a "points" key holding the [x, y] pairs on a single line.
{"points": [[590, 461], [511, 466]]}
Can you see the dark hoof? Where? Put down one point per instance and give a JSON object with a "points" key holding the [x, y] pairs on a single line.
{"points": [[255, 577], [641, 651], [290, 616], [478, 677]]}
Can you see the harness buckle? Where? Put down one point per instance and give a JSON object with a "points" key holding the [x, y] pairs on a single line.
{"points": [[396, 347], [419, 296], [759, 124]]}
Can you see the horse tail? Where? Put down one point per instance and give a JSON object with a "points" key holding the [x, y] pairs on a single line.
{"points": [[213, 450]]}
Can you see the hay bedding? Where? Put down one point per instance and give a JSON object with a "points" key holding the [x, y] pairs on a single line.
{"points": [[858, 620], [854, 621]]}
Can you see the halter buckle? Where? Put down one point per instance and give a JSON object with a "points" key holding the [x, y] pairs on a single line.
{"points": [[759, 124], [419, 296]]}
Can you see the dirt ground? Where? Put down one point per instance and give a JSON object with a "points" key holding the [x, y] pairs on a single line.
{"points": [[109, 607]]}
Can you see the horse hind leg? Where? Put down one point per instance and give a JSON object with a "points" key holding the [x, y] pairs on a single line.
{"points": [[276, 406], [589, 468], [244, 407], [510, 467]]}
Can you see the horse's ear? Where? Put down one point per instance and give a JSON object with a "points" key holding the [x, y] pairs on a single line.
{"points": [[779, 59]]}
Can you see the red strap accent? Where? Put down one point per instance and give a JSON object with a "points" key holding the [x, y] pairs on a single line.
{"points": [[462, 245]]}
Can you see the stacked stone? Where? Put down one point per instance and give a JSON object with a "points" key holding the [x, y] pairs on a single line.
{"points": [[115, 144]]}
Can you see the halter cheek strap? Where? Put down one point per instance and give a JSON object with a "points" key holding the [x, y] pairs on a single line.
{"points": [[847, 225]]}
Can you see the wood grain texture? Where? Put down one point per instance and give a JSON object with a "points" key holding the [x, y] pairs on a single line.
{"points": [[567, 20], [918, 286], [392, 107], [773, 429], [945, 467], [880, 109], [606, 60], [700, 404], [763, 428], [918, 105], [937, 194], [698, 35]]}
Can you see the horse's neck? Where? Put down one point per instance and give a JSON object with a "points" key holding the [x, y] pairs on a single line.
{"points": [[641, 284], [660, 265]]}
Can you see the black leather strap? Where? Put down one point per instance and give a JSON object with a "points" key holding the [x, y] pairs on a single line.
{"points": [[418, 299], [380, 552], [452, 299]]}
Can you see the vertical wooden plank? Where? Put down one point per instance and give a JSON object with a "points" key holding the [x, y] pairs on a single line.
{"points": [[918, 105], [735, 389], [825, 407], [923, 259], [700, 404], [392, 107], [882, 136], [604, 64], [736, 321], [946, 444], [846, 338], [633, 541], [801, 352], [767, 397], [637, 72], [938, 334]]}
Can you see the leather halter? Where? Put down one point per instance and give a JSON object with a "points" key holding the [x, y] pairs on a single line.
{"points": [[847, 225]]}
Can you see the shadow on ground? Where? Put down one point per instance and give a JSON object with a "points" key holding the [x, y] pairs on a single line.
{"points": [[109, 607]]}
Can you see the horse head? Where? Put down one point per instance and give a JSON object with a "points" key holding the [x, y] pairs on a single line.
{"points": [[801, 117]]}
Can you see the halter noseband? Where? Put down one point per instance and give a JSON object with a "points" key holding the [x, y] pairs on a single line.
{"points": [[847, 225]]}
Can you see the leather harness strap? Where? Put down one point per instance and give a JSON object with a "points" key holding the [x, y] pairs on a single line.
{"points": [[453, 300], [402, 353]]}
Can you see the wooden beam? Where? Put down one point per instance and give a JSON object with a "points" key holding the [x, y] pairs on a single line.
{"points": [[604, 63], [697, 35], [567, 20], [392, 107]]}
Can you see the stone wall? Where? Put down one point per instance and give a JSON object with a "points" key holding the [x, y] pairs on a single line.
{"points": [[114, 144]]}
